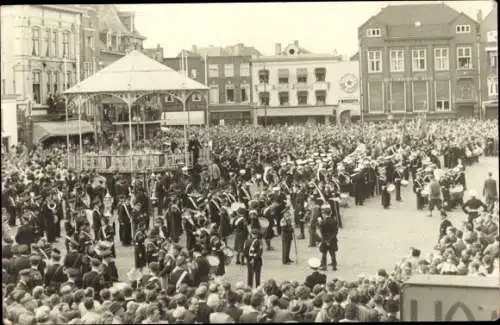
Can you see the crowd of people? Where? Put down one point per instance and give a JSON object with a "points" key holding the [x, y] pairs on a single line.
{"points": [[261, 183]]}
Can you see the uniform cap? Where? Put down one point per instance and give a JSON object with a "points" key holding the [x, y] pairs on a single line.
{"points": [[314, 262], [25, 272]]}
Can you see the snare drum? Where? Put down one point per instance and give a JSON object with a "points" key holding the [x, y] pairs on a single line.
{"points": [[344, 195], [214, 262], [391, 188], [228, 255], [404, 183], [457, 189], [425, 192]]}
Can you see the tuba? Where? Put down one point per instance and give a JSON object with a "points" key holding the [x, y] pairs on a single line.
{"points": [[51, 205]]}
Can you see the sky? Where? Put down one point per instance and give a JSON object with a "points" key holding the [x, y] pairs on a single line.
{"points": [[320, 27]]}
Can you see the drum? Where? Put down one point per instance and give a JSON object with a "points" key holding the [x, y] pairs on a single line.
{"points": [[457, 189], [391, 188], [468, 154], [344, 196], [404, 183], [264, 223], [228, 255], [425, 192], [213, 261]]}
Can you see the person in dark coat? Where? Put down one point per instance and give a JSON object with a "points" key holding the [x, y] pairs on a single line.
{"points": [[94, 278], [109, 272], [269, 231], [329, 229], [316, 277], [140, 250], [54, 276], [445, 223], [216, 246], [194, 148], [174, 222], [203, 268], [124, 219], [385, 197], [189, 227], [357, 184], [25, 234], [253, 252], [224, 225], [287, 233], [418, 186], [96, 219], [240, 229]]}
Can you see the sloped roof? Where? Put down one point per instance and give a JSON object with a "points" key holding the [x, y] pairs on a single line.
{"points": [[430, 13], [241, 50], [109, 19], [212, 51], [188, 54], [135, 72]]}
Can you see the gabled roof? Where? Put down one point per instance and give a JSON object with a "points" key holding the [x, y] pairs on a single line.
{"points": [[241, 50], [426, 14], [109, 19], [212, 51], [135, 72], [187, 53]]}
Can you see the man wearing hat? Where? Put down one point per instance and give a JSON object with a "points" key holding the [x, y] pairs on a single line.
{"points": [[490, 191], [316, 277], [54, 275], [253, 250], [328, 229], [287, 234], [96, 218], [74, 279], [21, 258], [174, 221], [24, 282], [109, 271], [25, 234], [37, 276], [125, 220]]}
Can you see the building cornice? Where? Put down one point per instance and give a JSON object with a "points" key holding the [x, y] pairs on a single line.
{"points": [[300, 58], [67, 8]]}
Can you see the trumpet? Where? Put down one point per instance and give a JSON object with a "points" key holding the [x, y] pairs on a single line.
{"points": [[51, 205]]}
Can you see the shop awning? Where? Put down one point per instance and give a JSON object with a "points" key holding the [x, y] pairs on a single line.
{"points": [[44, 130]]}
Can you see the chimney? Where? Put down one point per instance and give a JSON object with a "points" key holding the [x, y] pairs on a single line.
{"points": [[296, 43], [158, 46], [479, 16], [194, 49], [277, 49]]}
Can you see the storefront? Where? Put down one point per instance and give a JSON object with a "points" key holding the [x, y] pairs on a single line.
{"points": [[490, 109], [295, 115], [230, 118]]}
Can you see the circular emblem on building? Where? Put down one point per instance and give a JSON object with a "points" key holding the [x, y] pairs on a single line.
{"points": [[349, 83]]}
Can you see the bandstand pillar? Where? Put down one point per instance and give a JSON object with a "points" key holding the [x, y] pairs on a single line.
{"points": [[129, 104], [186, 155]]}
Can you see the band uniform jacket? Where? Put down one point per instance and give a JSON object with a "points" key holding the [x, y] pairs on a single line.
{"points": [[178, 276], [314, 279], [202, 270], [240, 233], [25, 235], [329, 229], [174, 224], [94, 280], [73, 260], [107, 233], [253, 250], [124, 217], [490, 189]]}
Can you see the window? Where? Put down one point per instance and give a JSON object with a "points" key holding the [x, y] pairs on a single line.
{"points": [[264, 76], [90, 42], [68, 80], [118, 40], [244, 91], [492, 36], [213, 94], [320, 74], [284, 98], [56, 81], [492, 82], [244, 69], [264, 98], [442, 95], [229, 94], [464, 58], [374, 61], [196, 97], [397, 61], [46, 42], [65, 44], [302, 75], [397, 95], [86, 70], [465, 89], [228, 70], [420, 96], [213, 71], [441, 59], [36, 87], [35, 42], [283, 76], [320, 97], [302, 97], [463, 29], [375, 96], [54, 44], [49, 82], [418, 62], [373, 32], [493, 59]]}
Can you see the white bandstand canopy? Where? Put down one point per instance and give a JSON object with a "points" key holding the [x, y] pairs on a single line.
{"points": [[129, 79]]}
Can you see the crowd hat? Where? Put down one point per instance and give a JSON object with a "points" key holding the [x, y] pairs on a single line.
{"points": [[314, 263]]}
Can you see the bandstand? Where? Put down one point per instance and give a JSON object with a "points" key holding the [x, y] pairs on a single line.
{"points": [[128, 80]]}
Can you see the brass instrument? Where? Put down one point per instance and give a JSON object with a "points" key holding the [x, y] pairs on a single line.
{"points": [[51, 205]]}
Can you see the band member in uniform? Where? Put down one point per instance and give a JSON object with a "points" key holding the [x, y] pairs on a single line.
{"points": [[174, 222], [96, 219], [435, 196], [357, 183], [490, 191], [253, 253], [316, 277], [224, 225], [328, 229], [49, 215], [107, 233], [287, 233], [94, 278], [125, 220], [216, 246], [398, 177], [315, 214], [385, 196], [269, 231], [471, 207], [418, 186], [189, 227], [140, 250], [109, 273], [240, 229]]}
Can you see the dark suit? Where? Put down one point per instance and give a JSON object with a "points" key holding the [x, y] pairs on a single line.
{"points": [[314, 279], [329, 230], [94, 280], [203, 314], [25, 235], [110, 274], [7, 251], [490, 191], [55, 276]]}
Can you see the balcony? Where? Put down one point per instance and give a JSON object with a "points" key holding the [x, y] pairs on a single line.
{"points": [[321, 85]]}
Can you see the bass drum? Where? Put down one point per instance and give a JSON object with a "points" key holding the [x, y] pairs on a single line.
{"points": [[214, 262], [264, 223], [391, 188]]}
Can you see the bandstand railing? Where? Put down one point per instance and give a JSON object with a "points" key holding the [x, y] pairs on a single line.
{"points": [[109, 163]]}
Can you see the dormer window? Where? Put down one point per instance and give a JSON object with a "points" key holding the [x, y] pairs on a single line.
{"points": [[463, 29], [373, 32]]}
